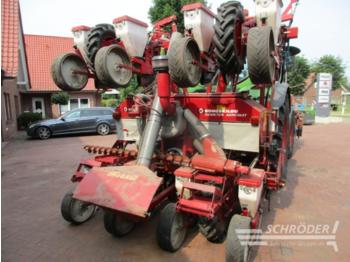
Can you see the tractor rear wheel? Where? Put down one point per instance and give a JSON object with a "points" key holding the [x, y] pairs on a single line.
{"points": [[99, 36], [69, 72], [109, 68], [261, 62], [76, 211], [171, 229], [227, 37], [117, 224], [237, 251], [184, 60]]}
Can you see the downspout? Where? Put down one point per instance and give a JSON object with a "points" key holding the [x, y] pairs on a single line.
{"points": [[150, 134], [161, 102]]}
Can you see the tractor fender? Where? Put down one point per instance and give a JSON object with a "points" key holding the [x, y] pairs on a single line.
{"points": [[281, 90]]}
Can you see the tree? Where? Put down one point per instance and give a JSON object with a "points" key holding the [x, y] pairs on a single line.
{"points": [[60, 98], [333, 65], [129, 90], [163, 8], [298, 74]]}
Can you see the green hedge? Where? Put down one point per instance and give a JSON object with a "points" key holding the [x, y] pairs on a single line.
{"points": [[25, 119], [310, 111], [111, 102]]}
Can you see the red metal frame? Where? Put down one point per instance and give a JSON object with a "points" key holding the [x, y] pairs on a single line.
{"points": [[159, 39], [288, 13], [213, 176]]}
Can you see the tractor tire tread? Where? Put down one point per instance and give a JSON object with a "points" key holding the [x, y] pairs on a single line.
{"points": [[229, 14], [95, 39]]}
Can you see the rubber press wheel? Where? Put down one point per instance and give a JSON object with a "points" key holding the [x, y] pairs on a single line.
{"points": [[227, 37], [69, 72], [184, 59], [108, 66], [261, 62], [171, 228], [237, 250], [99, 36], [117, 224], [76, 211]]}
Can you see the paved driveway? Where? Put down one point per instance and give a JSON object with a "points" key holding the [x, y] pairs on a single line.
{"points": [[35, 176]]}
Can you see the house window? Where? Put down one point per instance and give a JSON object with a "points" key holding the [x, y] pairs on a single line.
{"points": [[84, 103], [8, 106], [64, 108], [74, 103]]}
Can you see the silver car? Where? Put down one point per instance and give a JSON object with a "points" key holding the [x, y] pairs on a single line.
{"points": [[81, 120]]}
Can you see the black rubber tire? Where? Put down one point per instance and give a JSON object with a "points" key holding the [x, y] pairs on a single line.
{"points": [[67, 209], [169, 219], [61, 72], [283, 115], [106, 66], [117, 224], [261, 63], [291, 141], [106, 129], [229, 14], [213, 231], [40, 132], [182, 52], [235, 251], [96, 39]]}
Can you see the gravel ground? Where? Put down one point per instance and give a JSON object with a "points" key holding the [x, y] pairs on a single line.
{"points": [[35, 176]]}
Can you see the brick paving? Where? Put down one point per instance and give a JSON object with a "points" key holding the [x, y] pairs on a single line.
{"points": [[35, 176]]}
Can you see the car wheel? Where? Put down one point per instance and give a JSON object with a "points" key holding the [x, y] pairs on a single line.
{"points": [[103, 129], [43, 132]]}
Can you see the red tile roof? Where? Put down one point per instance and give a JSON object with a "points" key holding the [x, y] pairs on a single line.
{"points": [[9, 36], [41, 51]]}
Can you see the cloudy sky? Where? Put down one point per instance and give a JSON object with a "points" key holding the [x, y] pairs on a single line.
{"points": [[323, 25]]}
